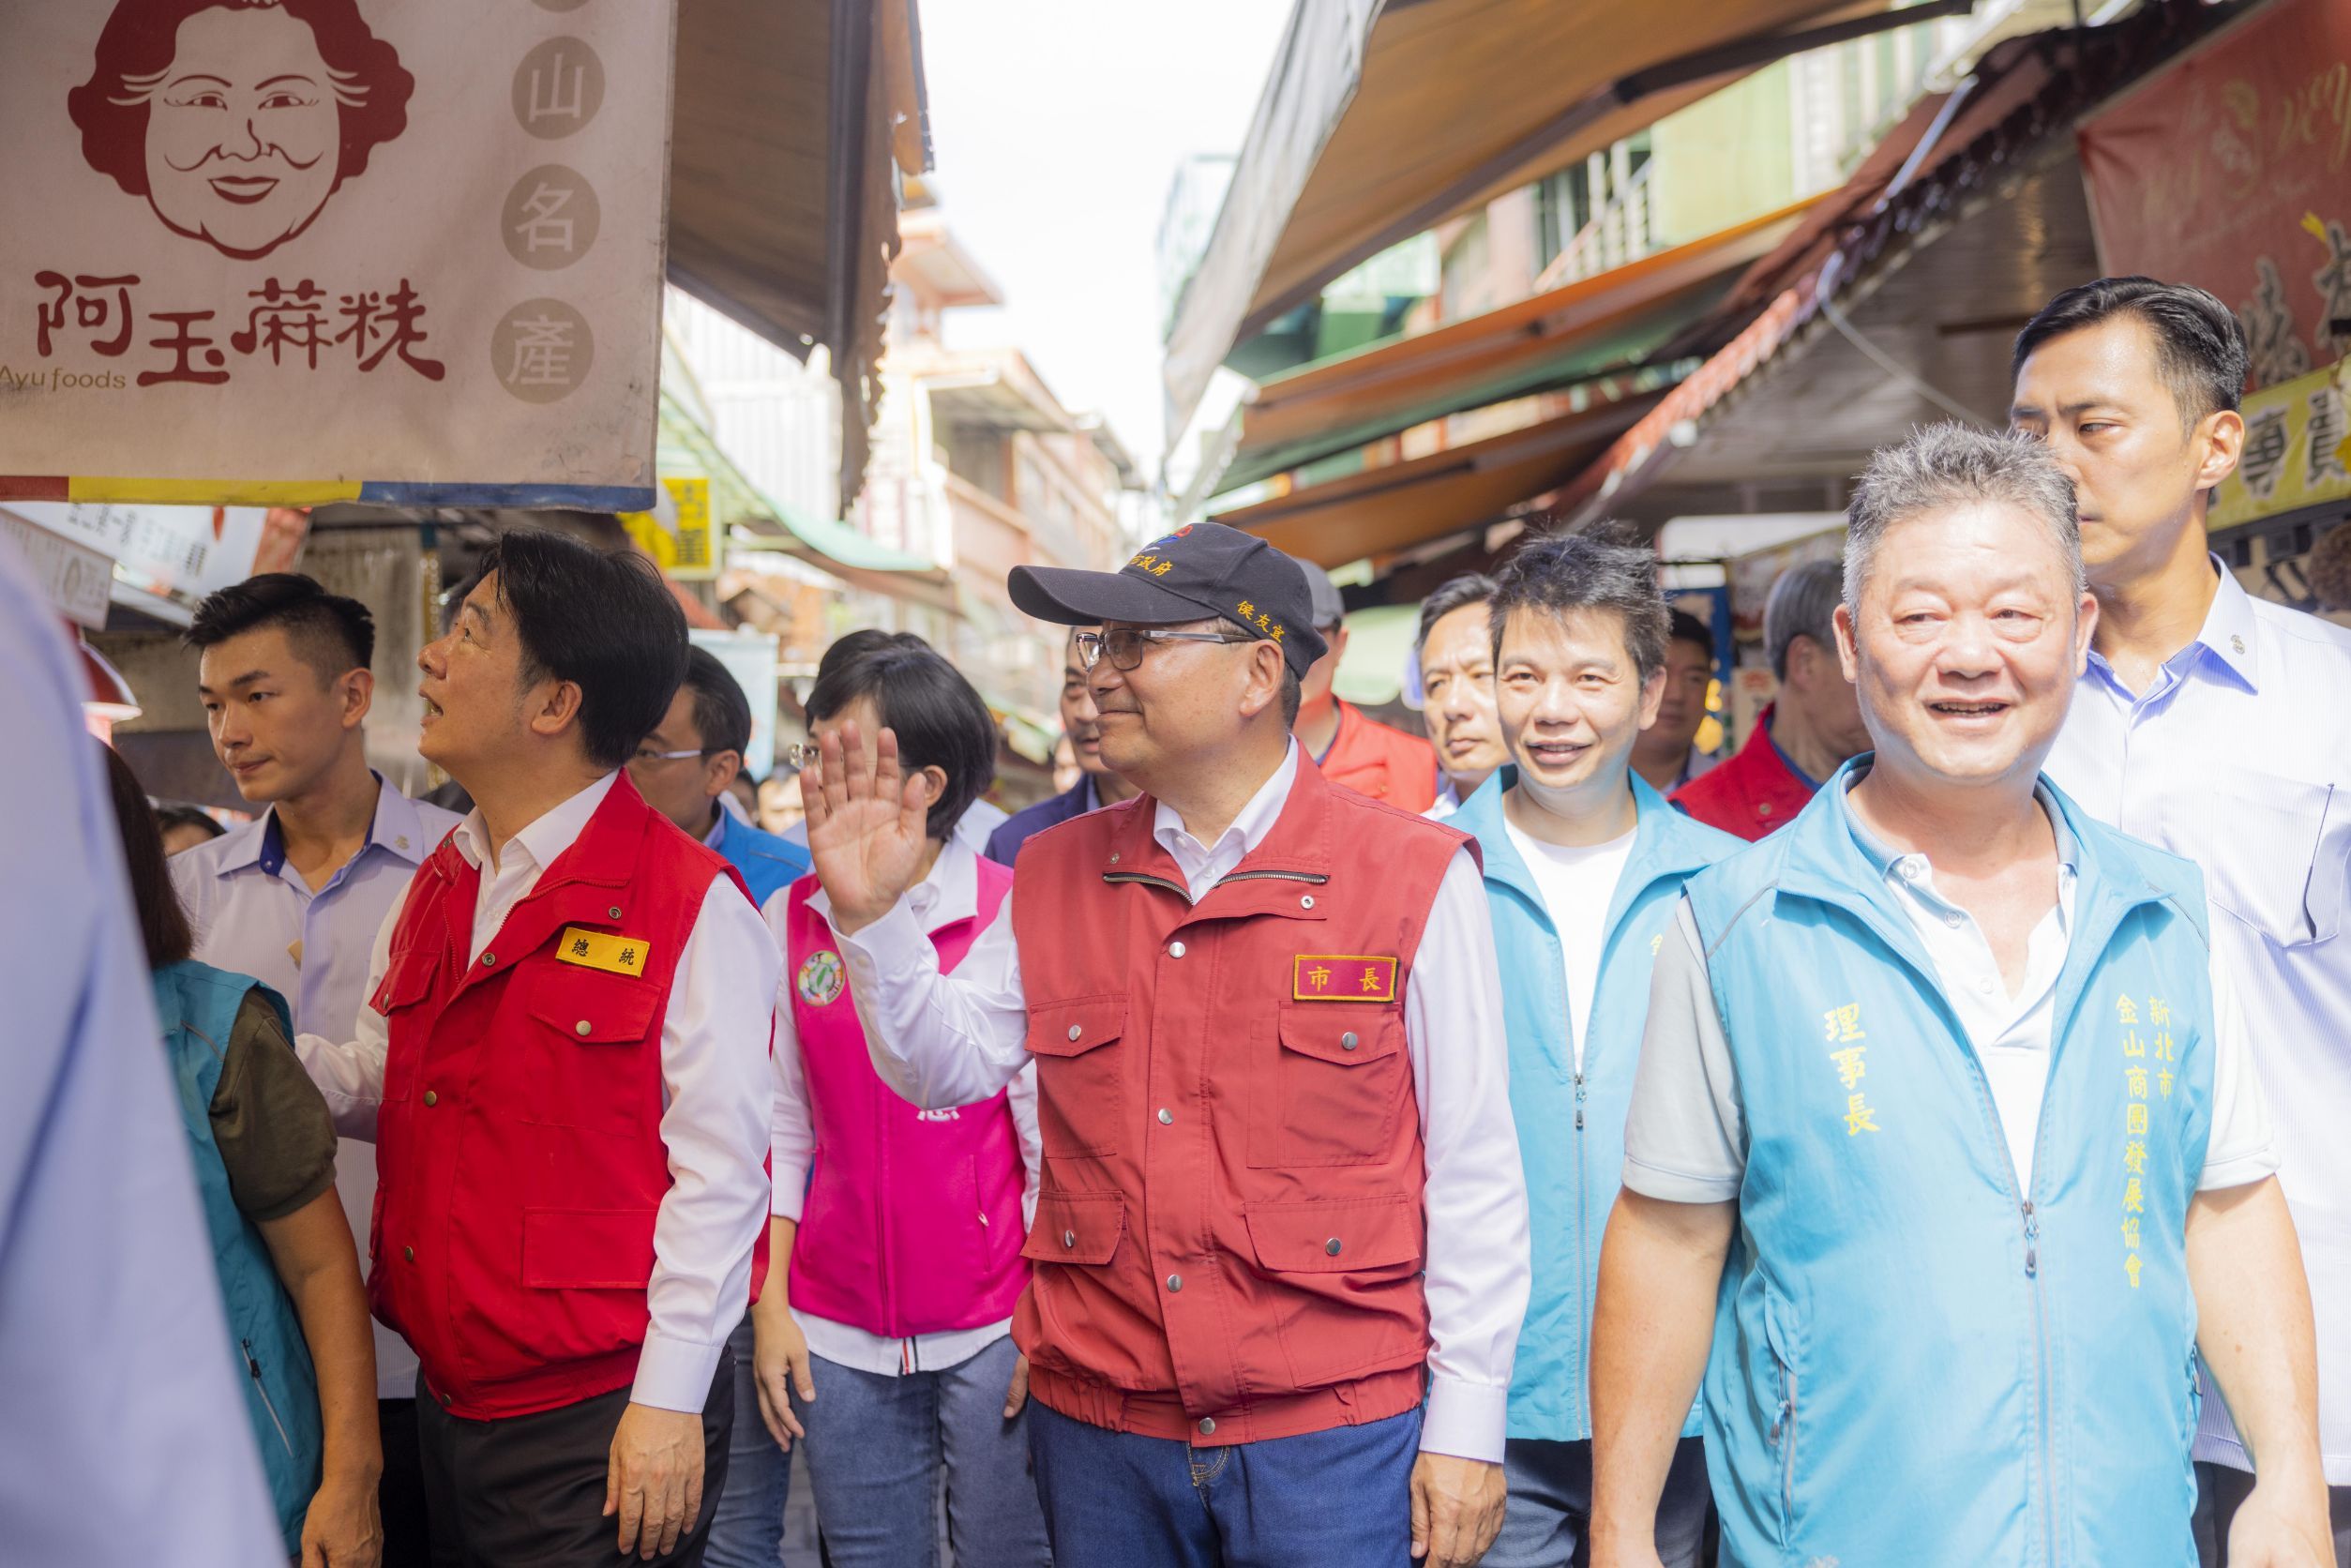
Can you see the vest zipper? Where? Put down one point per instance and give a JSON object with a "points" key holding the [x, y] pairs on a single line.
{"points": [[1784, 1433], [254, 1367], [1147, 880], [1272, 876]]}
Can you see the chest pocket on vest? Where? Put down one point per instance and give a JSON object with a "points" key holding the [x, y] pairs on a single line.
{"points": [[407, 981], [1340, 1070], [590, 1062], [1081, 1095]]}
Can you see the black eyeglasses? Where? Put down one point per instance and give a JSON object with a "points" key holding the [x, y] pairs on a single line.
{"points": [[1127, 644]]}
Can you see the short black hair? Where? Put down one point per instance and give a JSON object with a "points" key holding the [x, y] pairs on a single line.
{"points": [[330, 633], [1455, 593], [1598, 568], [604, 620], [169, 817], [722, 714], [2199, 343], [1682, 626], [163, 925], [865, 640], [938, 717]]}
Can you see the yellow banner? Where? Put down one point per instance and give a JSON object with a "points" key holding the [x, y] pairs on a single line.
{"points": [[2298, 449], [695, 550]]}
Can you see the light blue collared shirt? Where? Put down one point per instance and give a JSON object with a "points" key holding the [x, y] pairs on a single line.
{"points": [[254, 915], [2238, 757], [121, 1421]]}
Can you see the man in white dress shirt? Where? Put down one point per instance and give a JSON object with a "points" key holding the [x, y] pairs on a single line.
{"points": [[1282, 1205], [2219, 726], [294, 899], [564, 1062], [124, 1428]]}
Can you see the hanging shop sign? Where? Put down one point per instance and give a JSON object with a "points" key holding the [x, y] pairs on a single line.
{"points": [[288, 252], [2231, 169], [2297, 450], [680, 535]]}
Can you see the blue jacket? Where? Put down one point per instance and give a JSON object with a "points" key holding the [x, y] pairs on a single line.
{"points": [[1004, 845], [1571, 1126], [1915, 1361], [197, 1005], [767, 862]]}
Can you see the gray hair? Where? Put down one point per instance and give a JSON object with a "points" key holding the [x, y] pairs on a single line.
{"points": [[1802, 603], [1952, 464], [1591, 570], [1455, 593]]}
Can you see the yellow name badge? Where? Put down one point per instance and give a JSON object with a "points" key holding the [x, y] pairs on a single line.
{"points": [[603, 950], [1342, 977]]}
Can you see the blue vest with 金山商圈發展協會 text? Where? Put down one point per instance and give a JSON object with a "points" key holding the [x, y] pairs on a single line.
{"points": [[1920, 1358]]}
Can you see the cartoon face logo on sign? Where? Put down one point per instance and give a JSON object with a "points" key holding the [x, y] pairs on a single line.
{"points": [[237, 119]]}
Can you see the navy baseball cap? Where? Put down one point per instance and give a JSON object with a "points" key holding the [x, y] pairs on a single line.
{"points": [[1200, 571]]}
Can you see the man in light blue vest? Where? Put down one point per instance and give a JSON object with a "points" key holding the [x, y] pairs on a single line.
{"points": [[1952, 1061], [1584, 866]]}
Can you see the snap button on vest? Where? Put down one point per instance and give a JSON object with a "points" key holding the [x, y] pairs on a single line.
{"points": [[1208, 1424], [582, 1028], [431, 1098], [1074, 1031], [613, 913], [1175, 1282], [489, 960], [1069, 1239], [1348, 1041], [409, 1253], [1305, 901], [1332, 1246], [1167, 1117], [1175, 950]]}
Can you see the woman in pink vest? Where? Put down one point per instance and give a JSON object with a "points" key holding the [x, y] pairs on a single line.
{"points": [[885, 1330]]}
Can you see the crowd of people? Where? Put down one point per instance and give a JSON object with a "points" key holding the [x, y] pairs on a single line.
{"points": [[1907, 1140]]}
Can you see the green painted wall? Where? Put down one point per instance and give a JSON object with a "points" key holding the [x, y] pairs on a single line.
{"points": [[1725, 158]]}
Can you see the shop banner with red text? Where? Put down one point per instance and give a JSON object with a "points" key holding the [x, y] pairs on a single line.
{"points": [[2231, 169], [288, 252]]}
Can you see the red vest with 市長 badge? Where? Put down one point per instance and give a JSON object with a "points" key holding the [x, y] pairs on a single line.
{"points": [[1229, 1235], [519, 1152]]}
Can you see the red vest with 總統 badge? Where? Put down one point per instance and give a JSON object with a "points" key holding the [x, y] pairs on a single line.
{"points": [[519, 1152], [1229, 1235]]}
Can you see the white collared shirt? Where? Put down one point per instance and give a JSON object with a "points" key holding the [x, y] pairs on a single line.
{"points": [[2238, 757], [716, 1086], [948, 895], [253, 914], [949, 1040], [123, 1421]]}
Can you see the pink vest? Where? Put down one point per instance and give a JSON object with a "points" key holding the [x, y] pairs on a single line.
{"points": [[912, 1220]]}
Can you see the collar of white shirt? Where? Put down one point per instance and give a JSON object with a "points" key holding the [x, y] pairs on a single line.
{"points": [[1912, 876], [543, 840], [1248, 830], [2230, 637], [396, 828], [949, 894]]}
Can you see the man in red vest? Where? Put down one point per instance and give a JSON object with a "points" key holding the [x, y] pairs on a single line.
{"points": [[563, 1065], [1282, 1205], [1804, 736]]}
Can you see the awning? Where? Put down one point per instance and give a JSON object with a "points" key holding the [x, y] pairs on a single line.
{"points": [[1387, 508], [997, 389], [788, 136], [826, 543], [1379, 120], [1901, 313], [1604, 325]]}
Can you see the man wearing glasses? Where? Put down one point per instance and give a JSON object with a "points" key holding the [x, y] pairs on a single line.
{"points": [[1280, 1244], [684, 769]]}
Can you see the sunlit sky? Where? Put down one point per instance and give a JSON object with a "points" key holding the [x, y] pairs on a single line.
{"points": [[1057, 125]]}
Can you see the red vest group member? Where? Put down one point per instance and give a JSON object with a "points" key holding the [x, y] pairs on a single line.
{"points": [[1802, 737], [1282, 1196], [565, 1066], [1363, 754]]}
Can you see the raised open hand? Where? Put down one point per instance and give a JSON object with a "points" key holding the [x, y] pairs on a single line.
{"points": [[865, 825]]}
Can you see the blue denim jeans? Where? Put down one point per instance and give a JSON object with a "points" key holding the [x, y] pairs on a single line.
{"points": [[1340, 1499], [747, 1529], [1547, 1521], [878, 1449]]}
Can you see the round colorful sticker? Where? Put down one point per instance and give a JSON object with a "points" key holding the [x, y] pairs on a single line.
{"points": [[821, 977]]}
